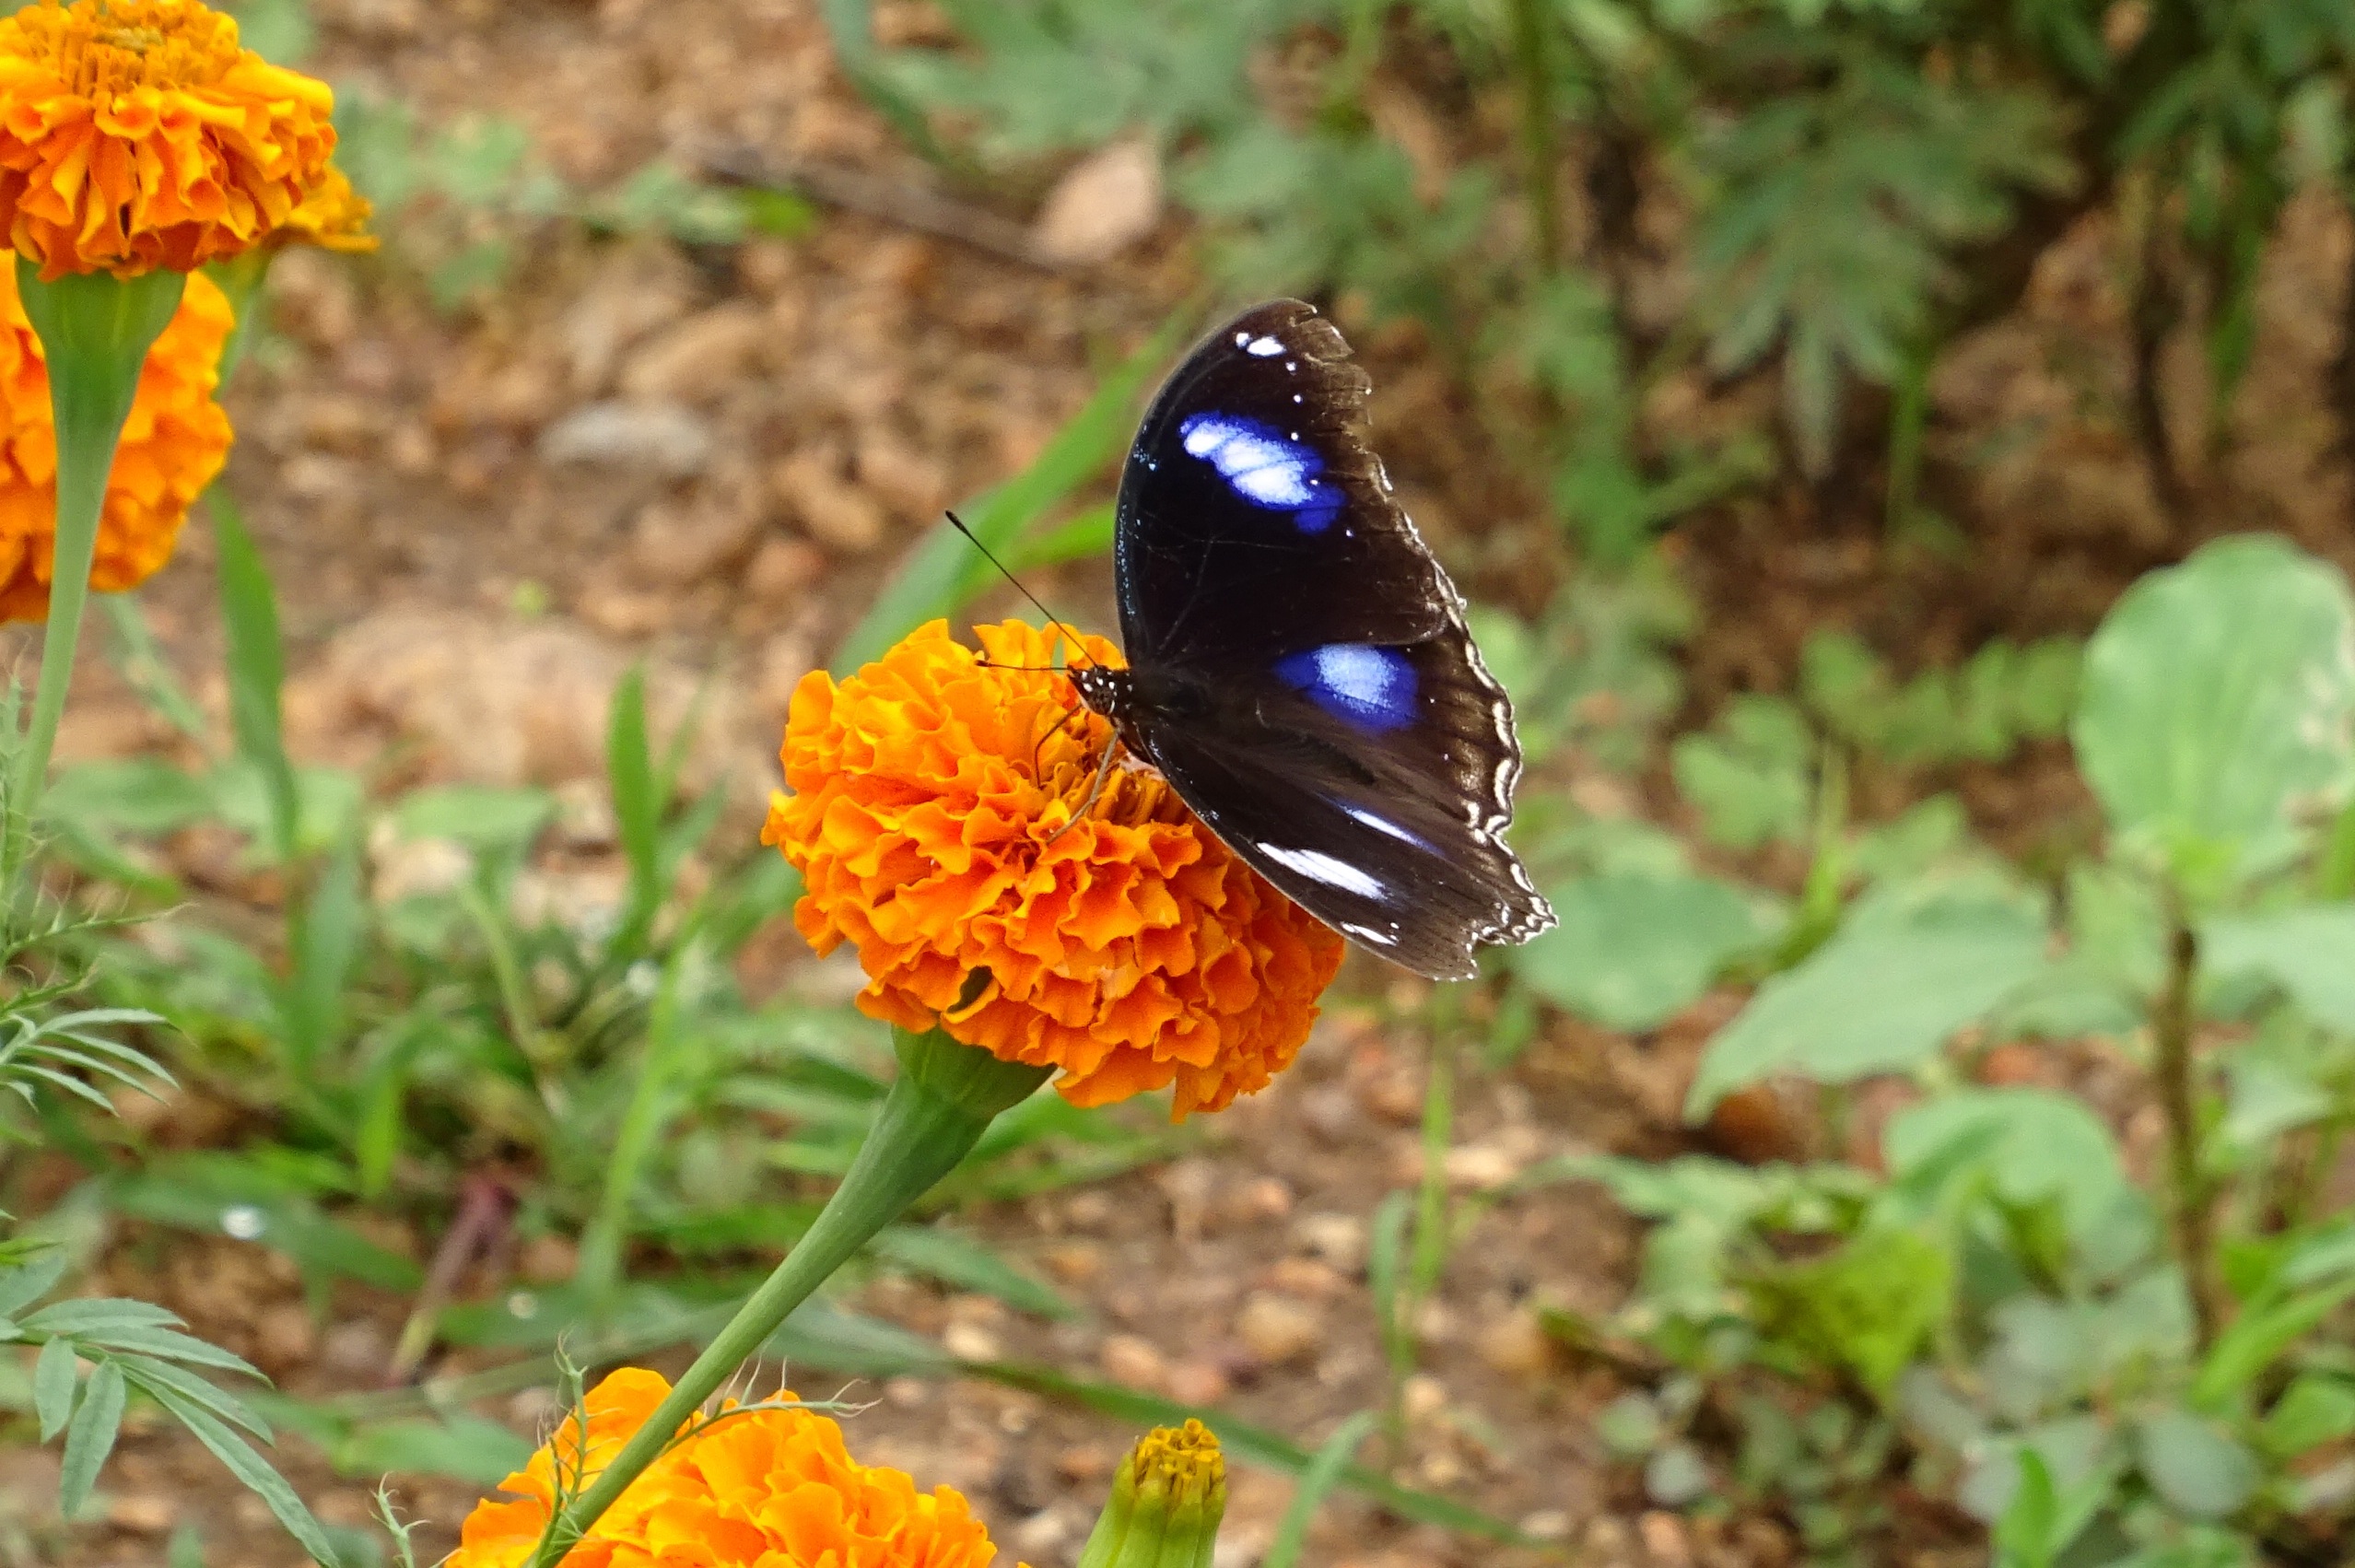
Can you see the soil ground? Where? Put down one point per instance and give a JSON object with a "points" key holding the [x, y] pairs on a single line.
{"points": [[464, 572]]}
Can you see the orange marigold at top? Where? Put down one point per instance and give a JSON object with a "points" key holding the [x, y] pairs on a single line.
{"points": [[173, 444], [775, 1488], [931, 817], [137, 135]]}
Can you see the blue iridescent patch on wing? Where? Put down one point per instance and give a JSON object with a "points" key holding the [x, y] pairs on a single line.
{"points": [[1371, 687], [1265, 466]]}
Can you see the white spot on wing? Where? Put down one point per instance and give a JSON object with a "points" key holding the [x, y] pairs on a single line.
{"points": [[1318, 866]]}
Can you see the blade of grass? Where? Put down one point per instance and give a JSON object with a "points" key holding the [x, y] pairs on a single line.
{"points": [[1324, 1473], [256, 670], [599, 1269], [638, 807]]}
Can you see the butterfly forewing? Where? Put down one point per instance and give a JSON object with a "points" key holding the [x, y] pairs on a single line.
{"points": [[1301, 669]]}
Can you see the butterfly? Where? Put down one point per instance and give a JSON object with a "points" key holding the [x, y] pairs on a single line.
{"points": [[1298, 664]]}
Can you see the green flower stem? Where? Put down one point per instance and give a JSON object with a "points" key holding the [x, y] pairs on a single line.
{"points": [[945, 1097], [95, 330]]}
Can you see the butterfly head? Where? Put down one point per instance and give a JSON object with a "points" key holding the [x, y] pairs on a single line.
{"points": [[1105, 690]]}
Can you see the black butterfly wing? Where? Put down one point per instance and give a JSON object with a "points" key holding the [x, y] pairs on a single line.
{"points": [[1302, 672]]}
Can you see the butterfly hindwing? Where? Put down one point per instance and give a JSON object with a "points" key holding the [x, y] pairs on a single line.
{"points": [[1301, 671]]}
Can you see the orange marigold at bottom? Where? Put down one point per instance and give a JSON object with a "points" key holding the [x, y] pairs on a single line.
{"points": [[932, 818], [775, 1488], [174, 442]]}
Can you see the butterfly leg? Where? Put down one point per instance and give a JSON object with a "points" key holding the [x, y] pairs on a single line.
{"points": [[1094, 790], [1069, 714]]}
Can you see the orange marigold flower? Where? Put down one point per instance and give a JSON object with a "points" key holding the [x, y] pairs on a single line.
{"points": [[775, 1488], [1131, 949], [137, 135], [174, 442]]}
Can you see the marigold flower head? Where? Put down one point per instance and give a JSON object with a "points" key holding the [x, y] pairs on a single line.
{"points": [[775, 1488], [333, 216], [1167, 1503], [137, 135], [1131, 950], [174, 442]]}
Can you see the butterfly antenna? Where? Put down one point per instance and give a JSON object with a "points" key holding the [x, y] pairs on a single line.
{"points": [[991, 556]]}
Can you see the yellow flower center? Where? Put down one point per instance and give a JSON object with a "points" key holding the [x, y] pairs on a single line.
{"points": [[105, 48], [1186, 1457]]}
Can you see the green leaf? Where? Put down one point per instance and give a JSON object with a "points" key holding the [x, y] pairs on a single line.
{"points": [[91, 1438], [329, 925], [2317, 1409], [2255, 1340], [2219, 709], [1630, 952], [161, 1377], [944, 571], [1324, 1473], [87, 1314], [256, 669], [1882, 995], [638, 807], [476, 815], [25, 1284], [2037, 1144], [255, 1473], [1749, 776], [54, 1385], [171, 1346], [2194, 1468], [2308, 952]]}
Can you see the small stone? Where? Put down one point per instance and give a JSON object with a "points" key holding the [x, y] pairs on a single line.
{"points": [[902, 478], [1088, 1211], [1103, 205], [1307, 1278], [355, 1350], [1278, 1329], [1517, 1345], [1133, 1362], [908, 1393], [1665, 1540], [970, 1341], [663, 439], [1075, 1263], [678, 545], [534, 1410], [782, 568], [1338, 1239], [1085, 1462], [1261, 1199], [1199, 1382], [621, 611], [410, 868], [1039, 1535], [550, 1259], [285, 1337], [1423, 1397], [697, 360], [1546, 1523], [1483, 1168], [831, 509], [141, 1513]]}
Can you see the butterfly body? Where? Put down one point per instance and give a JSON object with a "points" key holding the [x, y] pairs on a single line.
{"points": [[1299, 667]]}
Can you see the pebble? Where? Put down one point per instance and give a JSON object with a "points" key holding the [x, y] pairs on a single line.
{"points": [[970, 1341], [143, 1512], [1103, 205], [1199, 1382], [652, 438], [680, 544], [1338, 1239], [1665, 1540], [1517, 1345], [1278, 1329], [1133, 1362], [782, 568], [831, 511], [697, 360], [1075, 1263]]}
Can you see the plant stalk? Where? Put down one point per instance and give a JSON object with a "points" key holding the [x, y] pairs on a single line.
{"points": [[95, 332], [2193, 1217], [945, 1097]]}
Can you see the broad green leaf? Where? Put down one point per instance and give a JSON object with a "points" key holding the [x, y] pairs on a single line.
{"points": [[1882, 995], [475, 814], [2255, 1340], [1748, 776], [2308, 952], [329, 925], [146, 796], [2037, 1145], [1630, 952], [256, 670], [2219, 709], [466, 1446], [90, 1437], [2194, 1468], [54, 1385]]}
